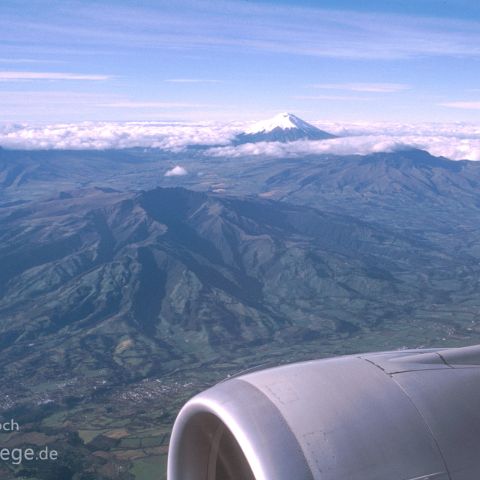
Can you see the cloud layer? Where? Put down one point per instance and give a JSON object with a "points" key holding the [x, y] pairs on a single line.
{"points": [[456, 141], [112, 135], [453, 148]]}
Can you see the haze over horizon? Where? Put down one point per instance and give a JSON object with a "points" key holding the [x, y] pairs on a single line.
{"points": [[235, 61]]}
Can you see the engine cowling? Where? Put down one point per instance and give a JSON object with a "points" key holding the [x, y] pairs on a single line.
{"points": [[408, 415]]}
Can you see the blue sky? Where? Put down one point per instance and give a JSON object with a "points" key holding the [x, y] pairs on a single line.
{"points": [[375, 60]]}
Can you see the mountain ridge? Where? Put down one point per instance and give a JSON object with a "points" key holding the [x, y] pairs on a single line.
{"points": [[217, 269]]}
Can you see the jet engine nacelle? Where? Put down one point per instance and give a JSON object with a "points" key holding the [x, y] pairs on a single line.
{"points": [[407, 415]]}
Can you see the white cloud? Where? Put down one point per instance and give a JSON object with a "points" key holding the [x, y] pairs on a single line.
{"points": [[155, 105], [462, 105], [331, 97], [114, 135], [176, 171], [7, 76], [28, 60], [454, 149], [425, 129], [453, 140], [364, 87], [191, 80], [339, 146]]}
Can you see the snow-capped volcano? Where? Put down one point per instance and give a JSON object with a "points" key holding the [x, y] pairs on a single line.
{"points": [[284, 127], [282, 120]]}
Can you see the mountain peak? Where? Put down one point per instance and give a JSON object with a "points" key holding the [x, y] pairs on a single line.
{"points": [[283, 120], [284, 127]]}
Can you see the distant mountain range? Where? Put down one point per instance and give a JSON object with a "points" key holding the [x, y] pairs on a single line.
{"points": [[284, 127]]}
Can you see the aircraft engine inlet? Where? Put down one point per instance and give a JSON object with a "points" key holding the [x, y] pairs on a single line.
{"points": [[405, 415]]}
